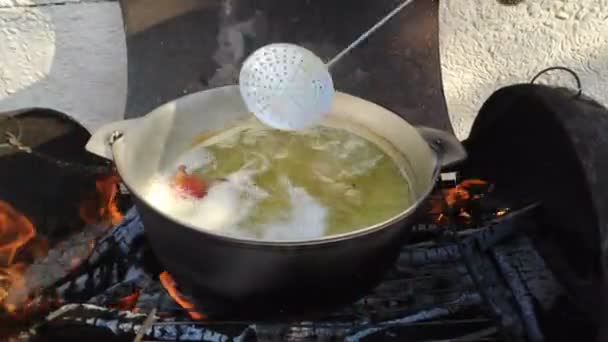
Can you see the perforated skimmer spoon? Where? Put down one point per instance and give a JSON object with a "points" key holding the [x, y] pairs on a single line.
{"points": [[288, 87]]}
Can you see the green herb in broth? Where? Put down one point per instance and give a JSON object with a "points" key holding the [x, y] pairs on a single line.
{"points": [[352, 178]]}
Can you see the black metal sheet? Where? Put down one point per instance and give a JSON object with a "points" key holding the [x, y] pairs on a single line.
{"points": [[539, 143], [182, 46]]}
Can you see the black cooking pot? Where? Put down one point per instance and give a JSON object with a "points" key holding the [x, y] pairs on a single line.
{"points": [[243, 277]]}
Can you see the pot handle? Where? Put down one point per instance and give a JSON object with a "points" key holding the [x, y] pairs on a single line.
{"points": [[101, 141], [446, 146]]}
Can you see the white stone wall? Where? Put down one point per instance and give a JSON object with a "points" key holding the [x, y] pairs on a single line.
{"points": [[67, 55], [70, 54], [485, 46]]}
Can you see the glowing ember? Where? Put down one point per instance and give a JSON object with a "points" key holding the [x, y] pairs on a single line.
{"points": [[171, 287], [502, 212], [127, 302], [100, 207], [464, 191], [459, 202]]}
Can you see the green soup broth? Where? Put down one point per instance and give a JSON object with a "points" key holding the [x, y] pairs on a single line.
{"points": [[355, 180]]}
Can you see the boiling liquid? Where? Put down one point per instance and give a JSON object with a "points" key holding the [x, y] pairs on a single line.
{"points": [[282, 185]]}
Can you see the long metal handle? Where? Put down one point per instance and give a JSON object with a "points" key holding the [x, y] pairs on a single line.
{"points": [[368, 33]]}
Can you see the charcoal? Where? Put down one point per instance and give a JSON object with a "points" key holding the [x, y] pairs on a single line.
{"points": [[534, 272], [520, 293], [123, 289], [57, 264], [124, 325], [114, 259], [466, 300], [484, 237]]}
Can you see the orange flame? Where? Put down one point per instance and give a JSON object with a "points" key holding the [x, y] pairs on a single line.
{"points": [[461, 192], [458, 198], [100, 207], [127, 302], [15, 231], [171, 287], [12, 286]]}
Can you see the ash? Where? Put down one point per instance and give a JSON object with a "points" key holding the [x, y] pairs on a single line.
{"points": [[58, 263], [485, 283]]}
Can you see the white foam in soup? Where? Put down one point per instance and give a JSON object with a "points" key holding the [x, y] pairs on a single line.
{"points": [[334, 186], [306, 219], [229, 202]]}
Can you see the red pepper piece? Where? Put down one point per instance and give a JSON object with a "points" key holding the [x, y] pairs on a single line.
{"points": [[189, 184]]}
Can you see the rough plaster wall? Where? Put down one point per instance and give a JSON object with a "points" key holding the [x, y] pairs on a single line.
{"points": [[485, 45], [25, 3], [69, 56]]}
